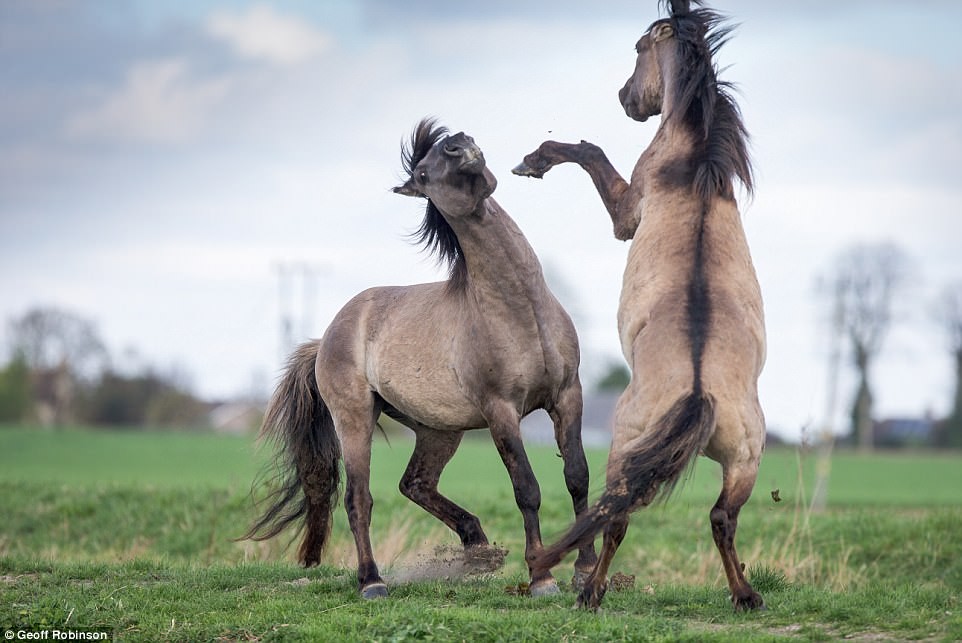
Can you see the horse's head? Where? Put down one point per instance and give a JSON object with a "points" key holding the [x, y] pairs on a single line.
{"points": [[449, 171], [644, 93]]}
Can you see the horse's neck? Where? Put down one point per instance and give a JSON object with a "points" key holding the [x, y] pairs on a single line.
{"points": [[674, 213], [501, 264], [672, 147]]}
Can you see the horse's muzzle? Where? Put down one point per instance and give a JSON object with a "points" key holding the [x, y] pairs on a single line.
{"points": [[473, 160]]}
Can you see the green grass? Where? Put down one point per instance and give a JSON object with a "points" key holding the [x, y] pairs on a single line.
{"points": [[77, 456], [132, 533]]}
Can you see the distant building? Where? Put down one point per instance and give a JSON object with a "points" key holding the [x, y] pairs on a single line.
{"points": [[904, 432], [236, 417], [597, 422]]}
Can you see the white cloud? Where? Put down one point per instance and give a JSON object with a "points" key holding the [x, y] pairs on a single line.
{"points": [[261, 33], [158, 103]]}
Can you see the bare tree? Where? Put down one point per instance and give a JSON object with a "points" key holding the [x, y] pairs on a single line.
{"points": [[949, 315], [864, 282], [59, 349]]}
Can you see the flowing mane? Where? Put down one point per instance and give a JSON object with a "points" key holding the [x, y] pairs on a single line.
{"points": [[706, 104], [435, 233]]}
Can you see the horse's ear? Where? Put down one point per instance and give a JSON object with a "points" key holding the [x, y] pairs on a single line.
{"points": [[408, 189], [663, 31]]}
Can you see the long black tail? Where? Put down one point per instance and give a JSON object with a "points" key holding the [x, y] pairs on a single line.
{"points": [[305, 476], [650, 469]]}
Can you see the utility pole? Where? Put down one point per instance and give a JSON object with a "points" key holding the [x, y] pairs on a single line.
{"points": [[826, 437], [285, 306], [297, 299]]}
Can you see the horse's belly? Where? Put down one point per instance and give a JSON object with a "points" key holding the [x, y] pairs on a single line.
{"points": [[431, 397]]}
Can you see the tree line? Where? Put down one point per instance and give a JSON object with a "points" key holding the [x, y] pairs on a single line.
{"points": [[59, 372]]}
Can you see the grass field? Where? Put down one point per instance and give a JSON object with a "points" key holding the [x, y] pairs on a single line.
{"points": [[132, 533]]}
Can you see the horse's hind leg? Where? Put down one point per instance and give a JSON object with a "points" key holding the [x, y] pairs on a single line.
{"points": [[505, 428], [738, 480], [432, 451], [566, 415], [596, 584], [355, 427]]}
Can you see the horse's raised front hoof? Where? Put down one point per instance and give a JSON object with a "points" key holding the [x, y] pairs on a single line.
{"points": [[374, 590], [524, 169], [544, 587], [750, 602]]}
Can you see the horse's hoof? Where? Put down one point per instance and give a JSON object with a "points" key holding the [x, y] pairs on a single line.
{"points": [[374, 590], [752, 602], [587, 605], [546, 587], [523, 169], [591, 596], [579, 579]]}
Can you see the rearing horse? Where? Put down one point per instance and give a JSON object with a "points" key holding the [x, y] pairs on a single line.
{"points": [[690, 318], [482, 349]]}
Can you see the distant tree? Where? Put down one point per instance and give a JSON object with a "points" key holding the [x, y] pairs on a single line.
{"points": [[60, 349], [616, 378], [146, 399], [15, 390], [864, 281], [49, 337], [949, 315]]}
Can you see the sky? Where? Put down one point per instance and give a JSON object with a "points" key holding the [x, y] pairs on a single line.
{"points": [[186, 174]]}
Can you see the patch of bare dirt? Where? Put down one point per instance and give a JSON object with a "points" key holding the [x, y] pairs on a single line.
{"points": [[449, 562], [8, 579]]}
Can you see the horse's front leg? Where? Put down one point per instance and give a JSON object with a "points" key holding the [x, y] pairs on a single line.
{"points": [[619, 198], [506, 432], [355, 427], [552, 153]]}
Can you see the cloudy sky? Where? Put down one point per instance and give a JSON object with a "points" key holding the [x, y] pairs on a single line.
{"points": [[186, 173]]}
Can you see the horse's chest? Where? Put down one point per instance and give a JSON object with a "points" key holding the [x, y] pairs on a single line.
{"points": [[518, 364]]}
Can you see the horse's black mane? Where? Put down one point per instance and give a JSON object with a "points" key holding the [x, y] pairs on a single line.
{"points": [[706, 103], [434, 233]]}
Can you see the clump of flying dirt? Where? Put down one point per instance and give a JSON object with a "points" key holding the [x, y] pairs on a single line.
{"points": [[450, 562], [620, 582]]}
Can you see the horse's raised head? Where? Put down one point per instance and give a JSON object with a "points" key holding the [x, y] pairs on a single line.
{"points": [[644, 92], [448, 170], [674, 57]]}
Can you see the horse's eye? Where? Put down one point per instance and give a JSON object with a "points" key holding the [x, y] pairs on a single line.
{"points": [[423, 176]]}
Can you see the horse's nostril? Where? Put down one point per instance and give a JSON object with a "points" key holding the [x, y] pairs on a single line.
{"points": [[452, 150]]}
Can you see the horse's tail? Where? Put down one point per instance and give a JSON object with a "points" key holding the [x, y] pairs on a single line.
{"points": [[649, 469], [305, 473]]}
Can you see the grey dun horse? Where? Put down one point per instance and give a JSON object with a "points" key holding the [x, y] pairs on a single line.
{"points": [[690, 318], [482, 349]]}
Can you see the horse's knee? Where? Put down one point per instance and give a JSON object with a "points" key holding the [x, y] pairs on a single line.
{"points": [[718, 517], [576, 477], [412, 487], [720, 522], [528, 495]]}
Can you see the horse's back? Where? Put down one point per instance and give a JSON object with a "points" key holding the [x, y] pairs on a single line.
{"points": [[666, 347]]}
